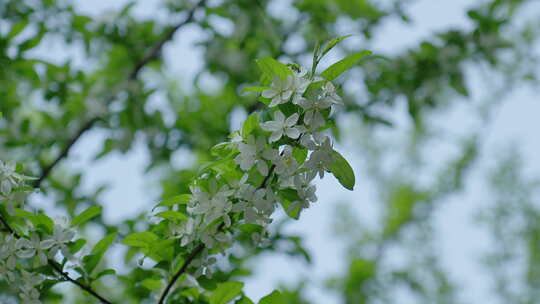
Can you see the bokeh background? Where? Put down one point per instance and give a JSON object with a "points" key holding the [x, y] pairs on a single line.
{"points": [[441, 128]]}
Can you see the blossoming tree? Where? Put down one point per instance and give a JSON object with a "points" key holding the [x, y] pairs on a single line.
{"points": [[270, 162]]}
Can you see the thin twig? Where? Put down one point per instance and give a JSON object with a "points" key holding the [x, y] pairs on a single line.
{"points": [[201, 247], [82, 286], [151, 55], [58, 268], [181, 271], [47, 170]]}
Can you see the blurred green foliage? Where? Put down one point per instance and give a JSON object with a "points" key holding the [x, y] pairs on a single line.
{"points": [[108, 73]]}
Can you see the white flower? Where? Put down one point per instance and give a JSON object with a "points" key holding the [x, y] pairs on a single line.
{"points": [[214, 204], [266, 203], [6, 272], [329, 93], [305, 190], [8, 251], [185, 230], [320, 159], [283, 89], [286, 164], [29, 294], [250, 154], [33, 247], [203, 266], [58, 241], [313, 116], [236, 138], [8, 177], [280, 125]]}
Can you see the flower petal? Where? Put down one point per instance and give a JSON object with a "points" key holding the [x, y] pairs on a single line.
{"points": [[291, 121], [271, 126], [276, 135], [293, 133], [270, 93]]}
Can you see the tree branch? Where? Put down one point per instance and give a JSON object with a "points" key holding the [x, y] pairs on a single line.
{"points": [[181, 271], [47, 170], [201, 247], [82, 286], [58, 268], [151, 55]]}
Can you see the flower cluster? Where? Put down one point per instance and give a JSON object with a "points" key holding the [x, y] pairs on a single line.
{"points": [[268, 163], [19, 255], [10, 181]]}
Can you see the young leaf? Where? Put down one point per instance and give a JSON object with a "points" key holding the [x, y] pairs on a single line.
{"points": [[76, 246], [244, 300], [255, 89], [274, 298], [160, 250], [271, 67], [92, 260], [300, 154], [86, 215], [341, 66], [41, 220], [332, 43], [221, 150], [16, 29], [250, 124], [172, 215], [225, 292], [342, 171], [151, 284], [105, 273], [140, 239], [178, 199]]}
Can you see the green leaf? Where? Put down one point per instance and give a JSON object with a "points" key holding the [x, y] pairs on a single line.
{"points": [[76, 246], [24, 214], [30, 43], [254, 89], [92, 260], [17, 28], [221, 150], [105, 273], [179, 199], [172, 215], [151, 284], [342, 171], [140, 239], [225, 292], [289, 196], [274, 298], [457, 82], [162, 250], [250, 228], [341, 66], [332, 43], [271, 67], [250, 124], [300, 154], [244, 300], [86, 215], [43, 221], [292, 211]]}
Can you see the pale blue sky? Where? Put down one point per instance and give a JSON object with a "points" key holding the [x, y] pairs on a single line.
{"points": [[516, 122]]}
